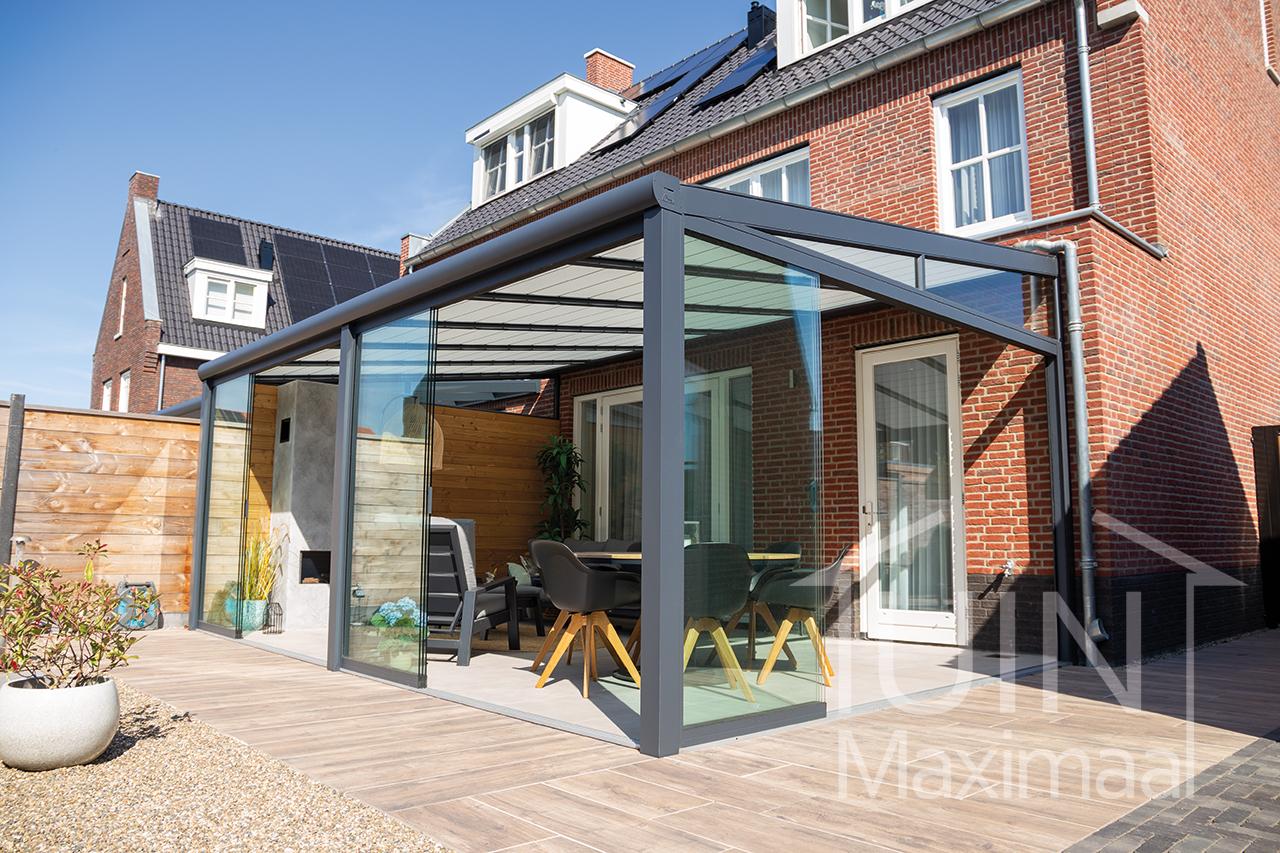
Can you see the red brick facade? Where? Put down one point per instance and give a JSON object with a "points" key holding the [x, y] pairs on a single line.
{"points": [[1179, 355], [608, 72]]}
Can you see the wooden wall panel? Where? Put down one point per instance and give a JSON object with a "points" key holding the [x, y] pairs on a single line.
{"points": [[128, 480]]}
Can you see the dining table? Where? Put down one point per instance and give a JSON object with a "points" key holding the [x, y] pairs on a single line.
{"points": [[638, 556]]}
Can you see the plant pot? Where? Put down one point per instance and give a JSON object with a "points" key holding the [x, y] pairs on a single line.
{"points": [[42, 728], [251, 614]]}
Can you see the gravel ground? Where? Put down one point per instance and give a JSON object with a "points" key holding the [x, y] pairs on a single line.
{"points": [[168, 782]]}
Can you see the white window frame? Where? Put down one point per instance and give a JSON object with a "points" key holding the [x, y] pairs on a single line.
{"points": [[942, 140], [106, 395], [245, 302], [126, 381], [718, 383], [857, 24], [124, 292], [516, 168], [754, 172]]}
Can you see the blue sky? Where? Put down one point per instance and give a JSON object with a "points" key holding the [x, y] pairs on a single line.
{"points": [[340, 119]]}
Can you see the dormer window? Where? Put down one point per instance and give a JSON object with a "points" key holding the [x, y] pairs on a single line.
{"points": [[546, 129], [520, 156], [227, 293], [805, 26]]}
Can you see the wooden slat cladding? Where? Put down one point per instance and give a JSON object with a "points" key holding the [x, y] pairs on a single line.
{"points": [[125, 479], [490, 475]]}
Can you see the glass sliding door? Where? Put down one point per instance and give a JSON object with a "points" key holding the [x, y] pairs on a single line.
{"points": [[224, 530], [910, 490], [386, 623], [622, 425]]}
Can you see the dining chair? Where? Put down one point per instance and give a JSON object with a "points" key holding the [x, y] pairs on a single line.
{"points": [[583, 596], [717, 580], [802, 593], [753, 609]]}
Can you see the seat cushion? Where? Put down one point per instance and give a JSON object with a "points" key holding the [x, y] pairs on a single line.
{"points": [[490, 604]]}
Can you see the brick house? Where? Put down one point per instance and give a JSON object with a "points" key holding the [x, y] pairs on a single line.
{"points": [[188, 285], [1143, 132]]}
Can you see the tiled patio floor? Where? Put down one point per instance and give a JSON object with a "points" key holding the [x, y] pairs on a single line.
{"points": [[970, 770]]}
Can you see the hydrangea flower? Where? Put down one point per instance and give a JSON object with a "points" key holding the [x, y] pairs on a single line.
{"points": [[398, 614]]}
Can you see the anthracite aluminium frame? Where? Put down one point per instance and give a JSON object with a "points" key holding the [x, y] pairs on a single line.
{"points": [[660, 211]]}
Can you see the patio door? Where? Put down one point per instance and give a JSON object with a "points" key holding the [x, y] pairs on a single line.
{"points": [[910, 489]]}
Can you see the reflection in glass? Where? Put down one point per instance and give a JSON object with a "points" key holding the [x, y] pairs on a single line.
{"points": [[913, 477], [587, 447], [623, 425], [1004, 296], [385, 625], [752, 480], [228, 469]]}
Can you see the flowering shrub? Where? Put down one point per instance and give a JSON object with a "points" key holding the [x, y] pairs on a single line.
{"points": [[64, 633], [397, 614]]}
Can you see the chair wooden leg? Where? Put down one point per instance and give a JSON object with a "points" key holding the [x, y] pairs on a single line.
{"points": [[565, 643], [729, 661], [615, 644], [812, 625], [633, 642], [550, 643], [690, 640], [709, 626], [588, 659], [767, 615], [779, 643], [815, 637]]}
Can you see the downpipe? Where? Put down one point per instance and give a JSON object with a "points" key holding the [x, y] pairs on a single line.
{"points": [[1067, 250]]}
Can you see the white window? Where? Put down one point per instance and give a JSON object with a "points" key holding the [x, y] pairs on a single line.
{"points": [[106, 396], [228, 293], [521, 155], [825, 21], [717, 464], [124, 292], [122, 405], [982, 157], [784, 178]]}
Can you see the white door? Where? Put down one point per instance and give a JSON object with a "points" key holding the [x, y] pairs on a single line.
{"points": [[911, 479]]}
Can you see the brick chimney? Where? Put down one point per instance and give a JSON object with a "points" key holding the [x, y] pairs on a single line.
{"points": [[142, 185], [608, 71]]}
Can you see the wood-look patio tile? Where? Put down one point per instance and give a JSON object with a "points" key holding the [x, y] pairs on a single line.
{"points": [[746, 793], [753, 831], [617, 788], [470, 826], [563, 812]]}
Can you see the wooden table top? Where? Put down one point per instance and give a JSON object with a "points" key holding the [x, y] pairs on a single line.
{"points": [[754, 556]]}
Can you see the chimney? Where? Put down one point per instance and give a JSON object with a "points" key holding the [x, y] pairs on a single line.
{"points": [[142, 185], [761, 22], [608, 71]]}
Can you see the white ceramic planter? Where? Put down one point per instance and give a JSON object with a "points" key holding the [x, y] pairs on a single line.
{"points": [[42, 729]]}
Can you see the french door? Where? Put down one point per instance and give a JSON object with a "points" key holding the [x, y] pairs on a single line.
{"points": [[911, 492], [717, 463]]}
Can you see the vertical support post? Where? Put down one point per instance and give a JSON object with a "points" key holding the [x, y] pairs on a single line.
{"points": [[339, 519], [199, 530], [1060, 499], [662, 485], [12, 467]]}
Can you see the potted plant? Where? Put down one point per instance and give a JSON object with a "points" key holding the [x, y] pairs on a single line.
{"points": [[58, 707], [261, 562], [561, 466]]}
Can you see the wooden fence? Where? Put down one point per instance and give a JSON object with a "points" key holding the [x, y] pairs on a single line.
{"points": [[129, 480]]}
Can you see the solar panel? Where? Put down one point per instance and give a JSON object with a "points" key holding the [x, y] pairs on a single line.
{"points": [[383, 269], [740, 76], [350, 279], [293, 267], [695, 69], [217, 241], [286, 245], [338, 256], [664, 78]]}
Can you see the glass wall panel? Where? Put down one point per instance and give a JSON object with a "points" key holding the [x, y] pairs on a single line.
{"points": [[386, 621], [755, 591], [224, 534]]}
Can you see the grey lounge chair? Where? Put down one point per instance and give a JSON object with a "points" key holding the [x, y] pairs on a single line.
{"points": [[456, 604]]}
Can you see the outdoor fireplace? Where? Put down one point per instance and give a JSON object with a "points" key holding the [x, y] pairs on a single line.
{"points": [[314, 567]]}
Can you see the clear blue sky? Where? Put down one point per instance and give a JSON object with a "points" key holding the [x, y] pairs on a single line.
{"points": [[340, 119]]}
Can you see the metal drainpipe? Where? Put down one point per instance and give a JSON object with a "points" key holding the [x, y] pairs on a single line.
{"points": [[1079, 397], [1086, 102]]}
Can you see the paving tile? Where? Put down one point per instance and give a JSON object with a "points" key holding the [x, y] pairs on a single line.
{"points": [[468, 825]]}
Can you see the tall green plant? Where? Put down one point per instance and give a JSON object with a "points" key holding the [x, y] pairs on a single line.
{"points": [[262, 557], [561, 466]]}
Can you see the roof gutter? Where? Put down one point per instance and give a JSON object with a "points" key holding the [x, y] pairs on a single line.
{"points": [[945, 36]]}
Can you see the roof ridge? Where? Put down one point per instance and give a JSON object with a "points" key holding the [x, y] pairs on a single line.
{"points": [[290, 231]]}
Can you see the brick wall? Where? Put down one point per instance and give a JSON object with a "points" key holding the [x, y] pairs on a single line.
{"points": [[134, 350], [1180, 359]]}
